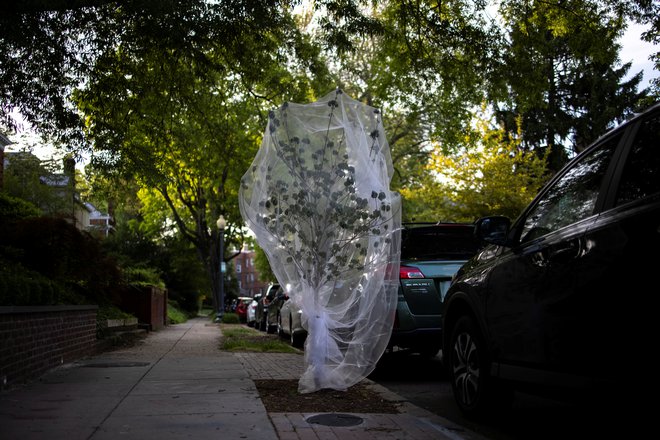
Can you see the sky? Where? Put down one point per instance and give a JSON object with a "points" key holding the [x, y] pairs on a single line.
{"points": [[638, 51]]}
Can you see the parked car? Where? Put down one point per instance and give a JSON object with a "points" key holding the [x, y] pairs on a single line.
{"points": [[242, 306], [431, 253], [274, 307], [251, 310], [261, 313], [560, 300], [289, 323]]}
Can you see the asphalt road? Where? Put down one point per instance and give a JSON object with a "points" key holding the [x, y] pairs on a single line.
{"points": [[424, 383]]}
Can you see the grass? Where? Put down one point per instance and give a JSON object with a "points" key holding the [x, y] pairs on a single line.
{"points": [[236, 337], [230, 318]]}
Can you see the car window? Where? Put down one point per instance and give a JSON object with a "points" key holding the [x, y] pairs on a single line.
{"points": [[572, 197], [640, 178], [438, 242]]}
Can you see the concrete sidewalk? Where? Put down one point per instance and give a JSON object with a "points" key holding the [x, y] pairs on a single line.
{"points": [[177, 384]]}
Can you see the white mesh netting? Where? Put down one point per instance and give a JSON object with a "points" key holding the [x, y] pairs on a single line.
{"points": [[317, 198]]}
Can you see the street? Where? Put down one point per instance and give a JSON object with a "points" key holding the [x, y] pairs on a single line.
{"points": [[424, 383]]}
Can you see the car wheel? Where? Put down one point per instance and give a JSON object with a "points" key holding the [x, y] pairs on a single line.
{"points": [[476, 393], [297, 339]]}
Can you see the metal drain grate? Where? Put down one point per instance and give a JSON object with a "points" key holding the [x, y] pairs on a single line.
{"points": [[116, 364], [335, 419]]}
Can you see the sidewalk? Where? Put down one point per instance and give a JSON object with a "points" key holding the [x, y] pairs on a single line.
{"points": [[177, 384]]}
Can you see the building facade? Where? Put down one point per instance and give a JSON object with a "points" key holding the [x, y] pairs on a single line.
{"points": [[249, 283]]}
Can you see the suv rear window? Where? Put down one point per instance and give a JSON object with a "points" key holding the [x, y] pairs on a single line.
{"points": [[438, 242]]}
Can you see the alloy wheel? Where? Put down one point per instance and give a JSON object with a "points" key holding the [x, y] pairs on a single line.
{"points": [[465, 365]]}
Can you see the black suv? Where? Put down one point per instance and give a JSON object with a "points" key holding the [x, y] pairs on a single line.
{"points": [[560, 300], [431, 253]]}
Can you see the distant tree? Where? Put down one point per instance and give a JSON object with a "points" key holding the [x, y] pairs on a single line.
{"points": [[560, 74], [27, 177], [432, 62], [182, 115], [493, 176], [48, 48], [262, 265]]}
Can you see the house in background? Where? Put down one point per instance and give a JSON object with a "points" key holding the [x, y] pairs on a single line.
{"points": [[55, 193], [249, 283], [94, 220], [85, 216]]}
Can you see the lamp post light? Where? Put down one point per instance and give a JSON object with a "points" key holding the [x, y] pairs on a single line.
{"points": [[221, 223]]}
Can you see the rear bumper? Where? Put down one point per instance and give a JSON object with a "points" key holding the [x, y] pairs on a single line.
{"points": [[417, 338]]}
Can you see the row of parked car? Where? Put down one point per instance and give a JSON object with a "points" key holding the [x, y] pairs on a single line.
{"points": [[557, 301], [431, 253], [273, 312]]}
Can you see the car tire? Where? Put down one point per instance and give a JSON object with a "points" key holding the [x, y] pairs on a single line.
{"points": [[476, 392], [297, 339]]}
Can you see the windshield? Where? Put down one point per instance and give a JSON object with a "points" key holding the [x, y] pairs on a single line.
{"points": [[438, 242]]}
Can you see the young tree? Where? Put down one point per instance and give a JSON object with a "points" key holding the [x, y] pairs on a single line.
{"points": [[317, 198]]}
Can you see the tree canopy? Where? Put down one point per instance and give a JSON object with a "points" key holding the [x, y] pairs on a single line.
{"points": [[173, 95]]}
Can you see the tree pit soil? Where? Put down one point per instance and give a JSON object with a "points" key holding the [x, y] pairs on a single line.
{"points": [[281, 396]]}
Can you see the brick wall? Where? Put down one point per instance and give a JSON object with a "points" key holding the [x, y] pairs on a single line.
{"points": [[148, 304], [36, 339]]}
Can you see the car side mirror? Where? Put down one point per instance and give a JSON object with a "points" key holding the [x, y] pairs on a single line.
{"points": [[493, 230]]}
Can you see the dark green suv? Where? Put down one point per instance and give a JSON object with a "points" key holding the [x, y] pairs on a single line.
{"points": [[431, 253]]}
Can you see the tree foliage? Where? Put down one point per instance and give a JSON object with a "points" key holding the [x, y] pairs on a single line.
{"points": [[560, 74], [172, 95], [434, 60], [493, 176], [182, 114], [262, 265]]}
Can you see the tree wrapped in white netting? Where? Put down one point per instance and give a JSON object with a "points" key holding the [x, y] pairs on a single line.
{"points": [[317, 198]]}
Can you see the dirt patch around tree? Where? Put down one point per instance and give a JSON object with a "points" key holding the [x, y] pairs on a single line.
{"points": [[283, 396], [280, 396]]}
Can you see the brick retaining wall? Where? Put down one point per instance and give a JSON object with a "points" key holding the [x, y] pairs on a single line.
{"points": [[36, 339]]}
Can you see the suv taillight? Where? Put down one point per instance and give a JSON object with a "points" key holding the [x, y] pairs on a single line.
{"points": [[406, 272]]}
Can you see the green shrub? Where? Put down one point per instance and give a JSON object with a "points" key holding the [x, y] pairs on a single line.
{"points": [[22, 287], [230, 318], [58, 251], [106, 312], [111, 312], [143, 276], [12, 208]]}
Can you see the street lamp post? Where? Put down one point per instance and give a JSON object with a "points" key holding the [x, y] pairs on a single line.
{"points": [[221, 223]]}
